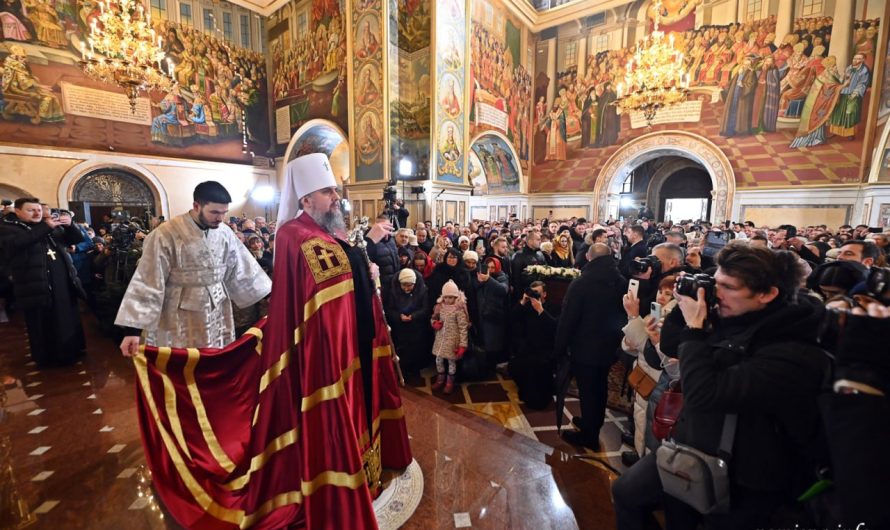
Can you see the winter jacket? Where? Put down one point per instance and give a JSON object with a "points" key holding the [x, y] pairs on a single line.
{"points": [[455, 327], [412, 339], [526, 258], [25, 247], [444, 272], [764, 366], [491, 310], [386, 256], [628, 254], [592, 314]]}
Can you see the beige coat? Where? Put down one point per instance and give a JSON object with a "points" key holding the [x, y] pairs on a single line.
{"points": [[452, 335]]}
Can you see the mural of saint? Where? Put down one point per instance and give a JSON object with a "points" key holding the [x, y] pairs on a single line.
{"points": [[848, 112], [368, 92], [818, 106], [766, 97], [13, 22], [452, 56], [370, 142], [506, 164], [449, 100], [740, 101], [22, 92], [801, 77], [588, 118], [368, 42], [449, 148], [46, 22], [555, 125], [608, 120]]}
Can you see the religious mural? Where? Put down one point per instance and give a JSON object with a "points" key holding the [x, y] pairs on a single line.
{"points": [[451, 79], [218, 100], [749, 93], [493, 167], [368, 87], [409, 92], [307, 41], [500, 85]]}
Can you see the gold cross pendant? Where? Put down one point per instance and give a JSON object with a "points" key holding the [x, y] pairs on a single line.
{"points": [[51, 253]]}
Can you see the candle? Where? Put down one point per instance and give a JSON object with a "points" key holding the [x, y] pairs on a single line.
{"points": [[83, 50]]}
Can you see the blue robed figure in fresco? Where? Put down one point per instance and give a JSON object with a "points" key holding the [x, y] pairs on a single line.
{"points": [[167, 116]]}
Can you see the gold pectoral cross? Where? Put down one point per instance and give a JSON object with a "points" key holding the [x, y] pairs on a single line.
{"points": [[51, 253]]}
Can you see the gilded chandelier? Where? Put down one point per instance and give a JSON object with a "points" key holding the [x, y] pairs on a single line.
{"points": [[124, 50], [655, 77]]}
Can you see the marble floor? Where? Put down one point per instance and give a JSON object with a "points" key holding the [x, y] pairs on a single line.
{"points": [[70, 451]]}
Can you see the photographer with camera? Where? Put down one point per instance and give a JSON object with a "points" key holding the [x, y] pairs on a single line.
{"points": [[666, 259], [751, 372], [635, 249], [533, 321]]}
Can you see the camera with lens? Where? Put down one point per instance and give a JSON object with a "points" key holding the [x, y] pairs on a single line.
{"points": [[878, 283], [531, 293], [689, 284], [644, 264]]}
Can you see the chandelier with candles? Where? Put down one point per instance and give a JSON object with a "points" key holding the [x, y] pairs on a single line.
{"points": [[655, 76], [123, 49]]}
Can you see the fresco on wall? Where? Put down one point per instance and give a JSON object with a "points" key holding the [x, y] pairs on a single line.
{"points": [[409, 92], [758, 99], [498, 170], [368, 87], [218, 99], [309, 63], [450, 85], [316, 139], [500, 85]]}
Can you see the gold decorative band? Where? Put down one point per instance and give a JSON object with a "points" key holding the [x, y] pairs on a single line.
{"points": [[382, 351], [206, 429], [332, 391], [170, 400], [257, 462]]}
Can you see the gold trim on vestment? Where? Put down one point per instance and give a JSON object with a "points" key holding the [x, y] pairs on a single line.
{"points": [[170, 399], [332, 391], [257, 462], [206, 428], [203, 499], [385, 414], [382, 351], [340, 479], [258, 333], [309, 308]]}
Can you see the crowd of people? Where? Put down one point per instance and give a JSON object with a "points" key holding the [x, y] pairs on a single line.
{"points": [[769, 333]]}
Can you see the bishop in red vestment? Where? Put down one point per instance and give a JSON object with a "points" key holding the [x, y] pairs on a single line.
{"points": [[289, 426]]}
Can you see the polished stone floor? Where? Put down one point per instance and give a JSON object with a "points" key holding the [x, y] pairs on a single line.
{"points": [[74, 450]]}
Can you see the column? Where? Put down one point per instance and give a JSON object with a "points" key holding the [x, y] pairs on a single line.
{"points": [[551, 71], [842, 33], [582, 56], [784, 20]]}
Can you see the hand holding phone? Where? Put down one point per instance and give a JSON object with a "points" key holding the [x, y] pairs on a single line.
{"points": [[634, 287], [655, 311]]}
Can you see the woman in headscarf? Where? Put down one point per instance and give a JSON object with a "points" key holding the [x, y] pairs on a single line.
{"points": [[562, 255]]}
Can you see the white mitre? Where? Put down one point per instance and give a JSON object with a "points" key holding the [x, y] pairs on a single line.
{"points": [[303, 175]]}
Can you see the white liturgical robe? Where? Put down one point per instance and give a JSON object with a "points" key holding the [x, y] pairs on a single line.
{"points": [[185, 282]]}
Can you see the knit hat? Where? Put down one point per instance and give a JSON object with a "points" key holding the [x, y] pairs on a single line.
{"points": [[450, 289], [461, 239], [407, 276], [471, 254]]}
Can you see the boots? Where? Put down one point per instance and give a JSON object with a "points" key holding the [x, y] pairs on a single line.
{"points": [[449, 385], [440, 380]]}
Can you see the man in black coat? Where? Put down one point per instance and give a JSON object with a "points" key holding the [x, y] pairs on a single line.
{"points": [[589, 332], [528, 256], [636, 239], [382, 251], [753, 354], [45, 283], [533, 321]]}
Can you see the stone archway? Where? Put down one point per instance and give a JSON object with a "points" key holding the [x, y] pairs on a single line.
{"points": [[72, 179], [668, 143]]}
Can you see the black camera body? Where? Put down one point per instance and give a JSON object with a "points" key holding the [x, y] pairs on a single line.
{"points": [[531, 293], [878, 283], [689, 284], [644, 264]]}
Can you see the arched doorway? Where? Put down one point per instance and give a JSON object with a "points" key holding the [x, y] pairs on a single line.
{"points": [[671, 187], [695, 150], [104, 190]]}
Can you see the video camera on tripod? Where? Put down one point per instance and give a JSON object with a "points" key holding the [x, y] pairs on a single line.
{"points": [[390, 194]]}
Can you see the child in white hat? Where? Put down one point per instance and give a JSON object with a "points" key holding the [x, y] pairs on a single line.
{"points": [[451, 322]]}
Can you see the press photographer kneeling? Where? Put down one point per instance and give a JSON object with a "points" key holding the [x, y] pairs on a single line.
{"points": [[751, 373]]}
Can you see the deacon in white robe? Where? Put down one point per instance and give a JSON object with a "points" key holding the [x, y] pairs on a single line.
{"points": [[190, 272]]}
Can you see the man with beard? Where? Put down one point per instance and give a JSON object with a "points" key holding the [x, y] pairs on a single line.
{"points": [[191, 271]]}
